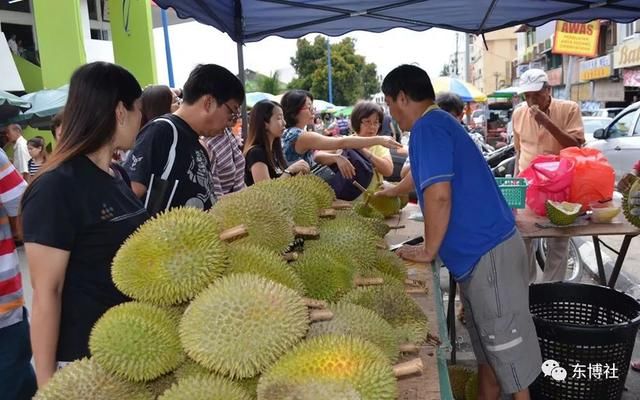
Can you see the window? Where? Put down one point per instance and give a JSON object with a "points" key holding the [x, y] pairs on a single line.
{"points": [[622, 127], [628, 30], [18, 6]]}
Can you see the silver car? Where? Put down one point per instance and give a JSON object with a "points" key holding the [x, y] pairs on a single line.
{"points": [[620, 141]]}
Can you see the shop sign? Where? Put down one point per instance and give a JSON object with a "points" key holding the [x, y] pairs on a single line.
{"points": [[576, 39], [627, 54], [597, 68]]}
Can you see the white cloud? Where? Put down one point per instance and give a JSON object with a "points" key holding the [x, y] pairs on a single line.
{"points": [[193, 43]]}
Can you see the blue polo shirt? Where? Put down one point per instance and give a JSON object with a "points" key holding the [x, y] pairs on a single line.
{"points": [[441, 151]]}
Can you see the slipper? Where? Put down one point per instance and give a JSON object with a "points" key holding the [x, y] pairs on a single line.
{"points": [[635, 365]]}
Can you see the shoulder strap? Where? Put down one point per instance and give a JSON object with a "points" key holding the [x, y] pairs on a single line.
{"points": [[171, 158]]}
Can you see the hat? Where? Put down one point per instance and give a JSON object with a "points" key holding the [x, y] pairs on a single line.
{"points": [[532, 81]]}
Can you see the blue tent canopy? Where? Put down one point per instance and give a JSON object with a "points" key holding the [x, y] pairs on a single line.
{"points": [[253, 20]]}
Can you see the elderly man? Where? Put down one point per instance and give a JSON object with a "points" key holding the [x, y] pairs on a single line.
{"points": [[21, 155], [545, 126]]}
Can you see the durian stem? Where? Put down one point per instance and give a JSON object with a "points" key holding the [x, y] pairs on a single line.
{"points": [[291, 256], [414, 366], [306, 231], [397, 226], [320, 315], [415, 290], [413, 282], [359, 186], [382, 245], [341, 205], [313, 303], [327, 213], [359, 281], [409, 348], [235, 233]]}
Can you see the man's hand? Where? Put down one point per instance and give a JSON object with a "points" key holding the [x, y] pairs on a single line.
{"points": [[387, 190], [417, 254], [541, 117]]}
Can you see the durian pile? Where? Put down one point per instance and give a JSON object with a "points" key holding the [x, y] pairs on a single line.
{"points": [[218, 314]]}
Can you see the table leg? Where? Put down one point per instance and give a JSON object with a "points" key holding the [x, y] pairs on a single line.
{"points": [[601, 274], [451, 317], [619, 261]]}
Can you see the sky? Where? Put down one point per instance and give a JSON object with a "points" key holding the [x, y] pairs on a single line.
{"points": [[193, 43]]}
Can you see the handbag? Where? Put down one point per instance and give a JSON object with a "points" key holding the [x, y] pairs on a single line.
{"points": [[344, 188]]}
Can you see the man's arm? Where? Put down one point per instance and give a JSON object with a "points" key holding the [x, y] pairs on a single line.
{"points": [[562, 136]]}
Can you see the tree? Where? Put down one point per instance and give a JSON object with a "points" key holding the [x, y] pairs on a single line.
{"points": [[270, 84], [445, 70], [352, 77]]}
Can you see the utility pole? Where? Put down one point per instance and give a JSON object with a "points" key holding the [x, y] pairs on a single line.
{"points": [[456, 74], [329, 71], [467, 57], [496, 75]]}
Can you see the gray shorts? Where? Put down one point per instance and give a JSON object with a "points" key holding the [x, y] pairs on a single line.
{"points": [[496, 304]]}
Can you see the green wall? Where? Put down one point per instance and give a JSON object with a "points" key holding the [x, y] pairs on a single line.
{"points": [[30, 74], [60, 39], [132, 36]]}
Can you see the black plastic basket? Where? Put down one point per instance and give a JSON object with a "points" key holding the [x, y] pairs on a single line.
{"points": [[583, 325]]}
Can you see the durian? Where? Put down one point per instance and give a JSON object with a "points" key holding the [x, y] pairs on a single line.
{"points": [[136, 341], [363, 209], [253, 259], [387, 206], [354, 320], [205, 388], [458, 377], [299, 203], [375, 226], [268, 223], [85, 379], [241, 324], [324, 278], [314, 389], [396, 307], [471, 387], [334, 359], [322, 193], [631, 204], [389, 263], [170, 258]]}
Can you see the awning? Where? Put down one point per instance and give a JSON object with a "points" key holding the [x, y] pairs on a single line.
{"points": [[253, 20]]}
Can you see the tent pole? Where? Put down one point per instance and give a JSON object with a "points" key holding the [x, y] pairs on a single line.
{"points": [[167, 46], [243, 79], [329, 69]]}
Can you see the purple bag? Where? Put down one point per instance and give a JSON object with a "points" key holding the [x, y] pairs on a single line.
{"points": [[344, 188]]}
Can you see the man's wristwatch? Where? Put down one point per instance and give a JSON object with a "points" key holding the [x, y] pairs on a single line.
{"points": [[286, 171]]}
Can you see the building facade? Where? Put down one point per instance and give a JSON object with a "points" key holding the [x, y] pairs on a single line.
{"points": [[491, 65]]}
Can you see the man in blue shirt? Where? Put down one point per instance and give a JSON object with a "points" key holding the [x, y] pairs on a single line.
{"points": [[469, 225]]}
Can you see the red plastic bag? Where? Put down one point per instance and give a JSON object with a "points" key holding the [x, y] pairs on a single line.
{"points": [[593, 179], [549, 178]]}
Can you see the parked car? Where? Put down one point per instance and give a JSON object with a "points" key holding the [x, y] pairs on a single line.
{"points": [[591, 124], [603, 112], [620, 140]]}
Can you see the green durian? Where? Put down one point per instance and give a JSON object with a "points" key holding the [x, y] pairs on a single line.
{"points": [[85, 379], [136, 341], [170, 258], [203, 387]]}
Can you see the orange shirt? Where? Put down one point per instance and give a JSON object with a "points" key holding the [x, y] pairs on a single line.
{"points": [[532, 139]]}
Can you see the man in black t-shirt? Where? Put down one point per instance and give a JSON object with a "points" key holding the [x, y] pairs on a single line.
{"points": [[168, 166]]}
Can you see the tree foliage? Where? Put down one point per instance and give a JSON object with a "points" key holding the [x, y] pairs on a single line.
{"points": [[352, 77], [270, 84]]}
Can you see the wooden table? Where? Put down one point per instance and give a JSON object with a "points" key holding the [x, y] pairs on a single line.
{"points": [[433, 383], [526, 221]]}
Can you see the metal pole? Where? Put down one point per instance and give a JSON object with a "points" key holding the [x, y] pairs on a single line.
{"points": [[167, 45], [467, 58], [329, 68], [242, 79]]}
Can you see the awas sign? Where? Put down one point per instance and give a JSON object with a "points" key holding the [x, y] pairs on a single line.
{"points": [[576, 39]]}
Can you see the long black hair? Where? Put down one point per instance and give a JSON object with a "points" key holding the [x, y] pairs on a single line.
{"points": [[89, 120], [258, 135]]}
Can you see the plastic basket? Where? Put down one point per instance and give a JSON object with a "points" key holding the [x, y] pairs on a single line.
{"points": [[514, 191], [581, 326]]}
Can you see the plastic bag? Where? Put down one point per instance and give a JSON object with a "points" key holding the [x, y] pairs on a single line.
{"points": [[549, 178], [593, 179]]}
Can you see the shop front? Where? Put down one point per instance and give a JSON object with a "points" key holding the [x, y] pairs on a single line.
{"points": [[626, 58]]}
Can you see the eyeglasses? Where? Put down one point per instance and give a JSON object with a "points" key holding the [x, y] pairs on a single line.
{"points": [[233, 115], [370, 123]]}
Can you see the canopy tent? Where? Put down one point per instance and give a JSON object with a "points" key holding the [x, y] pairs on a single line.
{"points": [[466, 91], [254, 97], [504, 93], [10, 105], [253, 20], [322, 106], [45, 104]]}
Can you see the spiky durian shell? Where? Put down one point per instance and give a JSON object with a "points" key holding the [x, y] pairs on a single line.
{"points": [[241, 324], [170, 258], [324, 278], [365, 210], [389, 263], [396, 307], [338, 359], [203, 387], [312, 390], [268, 223], [630, 208], [354, 320], [300, 203], [322, 193], [136, 341], [85, 379], [246, 258]]}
